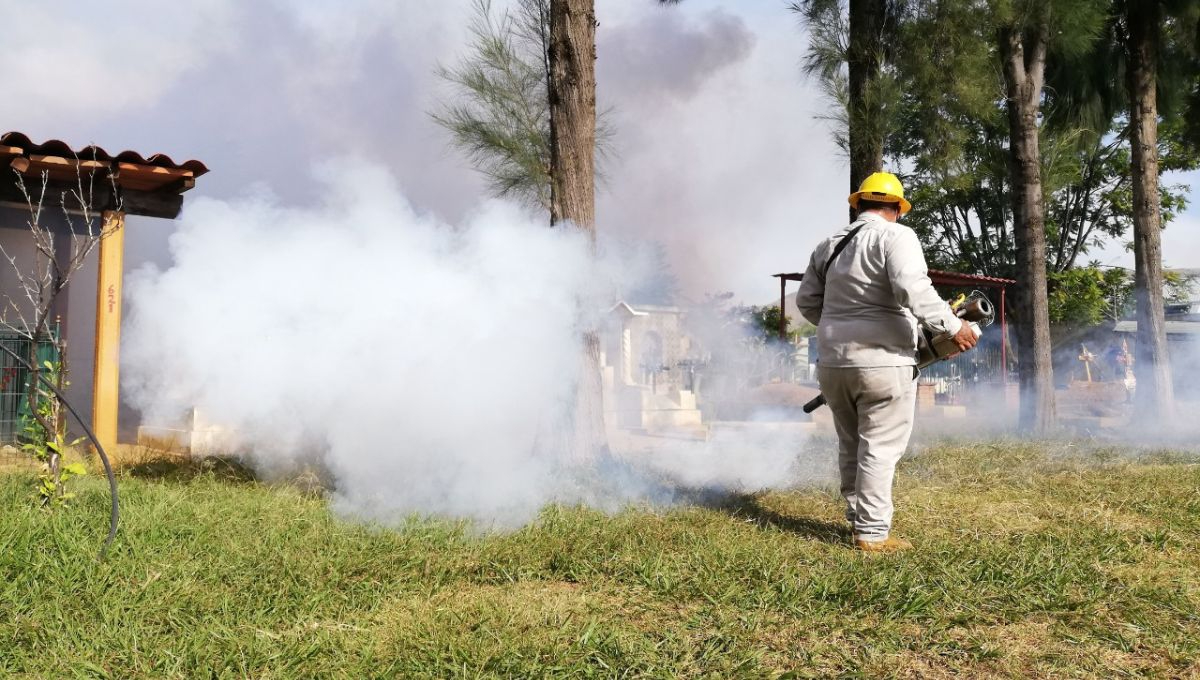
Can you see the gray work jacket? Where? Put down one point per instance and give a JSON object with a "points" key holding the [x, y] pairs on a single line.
{"points": [[867, 308]]}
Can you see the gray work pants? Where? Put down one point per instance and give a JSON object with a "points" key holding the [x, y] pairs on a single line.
{"points": [[873, 410]]}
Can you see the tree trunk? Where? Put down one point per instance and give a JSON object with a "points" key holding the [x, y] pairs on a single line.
{"points": [[572, 93], [1155, 400], [1024, 61], [865, 59]]}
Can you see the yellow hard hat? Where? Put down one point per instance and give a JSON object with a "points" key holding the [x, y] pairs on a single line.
{"points": [[882, 187]]}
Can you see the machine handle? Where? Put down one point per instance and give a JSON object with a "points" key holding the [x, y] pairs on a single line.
{"points": [[816, 403]]}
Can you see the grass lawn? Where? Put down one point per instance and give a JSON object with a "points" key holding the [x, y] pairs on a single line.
{"points": [[1030, 561]]}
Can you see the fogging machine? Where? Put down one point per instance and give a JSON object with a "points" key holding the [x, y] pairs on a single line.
{"points": [[974, 309]]}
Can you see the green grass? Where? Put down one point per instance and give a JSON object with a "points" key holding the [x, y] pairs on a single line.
{"points": [[1031, 561]]}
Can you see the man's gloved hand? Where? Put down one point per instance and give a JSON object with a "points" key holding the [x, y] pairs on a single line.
{"points": [[965, 338]]}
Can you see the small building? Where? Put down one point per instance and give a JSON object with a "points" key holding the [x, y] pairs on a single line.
{"points": [[69, 184], [648, 370]]}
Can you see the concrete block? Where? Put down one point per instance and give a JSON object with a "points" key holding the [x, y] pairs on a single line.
{"points": [[165, 439], [926, 397], [195, 436], [686, 399]]}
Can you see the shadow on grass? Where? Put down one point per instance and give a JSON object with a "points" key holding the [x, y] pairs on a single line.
{"points": [[183, 469], [632, 481], [749, 507], [176, 468]]}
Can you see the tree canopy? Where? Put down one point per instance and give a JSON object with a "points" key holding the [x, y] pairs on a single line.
{"points": [[940, 99]]}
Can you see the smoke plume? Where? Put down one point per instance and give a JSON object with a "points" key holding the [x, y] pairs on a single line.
{"points": [[415, 362]]}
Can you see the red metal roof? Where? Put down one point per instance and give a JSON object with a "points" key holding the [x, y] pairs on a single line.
{"points": [[937, 276], [19, 144], [942, 278]]}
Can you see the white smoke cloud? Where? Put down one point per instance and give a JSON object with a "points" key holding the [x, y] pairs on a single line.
{"points": [[420, 359], [109, 56], [720, 155], [416, 361], [744, 457], [659, 56], [718, 150]]}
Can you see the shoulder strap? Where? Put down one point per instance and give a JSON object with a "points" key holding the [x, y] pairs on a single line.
{"points": [[840, 247]]}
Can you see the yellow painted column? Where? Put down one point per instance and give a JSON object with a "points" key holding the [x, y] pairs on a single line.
{"points": [[105, 380]]}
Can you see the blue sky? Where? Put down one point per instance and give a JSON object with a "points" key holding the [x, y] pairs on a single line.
{"points": [[1181, 238]]}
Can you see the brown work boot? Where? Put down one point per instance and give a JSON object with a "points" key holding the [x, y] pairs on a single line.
{"points": [[887, 545]]}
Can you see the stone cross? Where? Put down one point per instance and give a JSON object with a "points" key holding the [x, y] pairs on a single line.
{"points": [[1127, 360], [1087, 358]]}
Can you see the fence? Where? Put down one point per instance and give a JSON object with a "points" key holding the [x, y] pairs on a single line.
{"points": [[14, 380], [953, 378]]}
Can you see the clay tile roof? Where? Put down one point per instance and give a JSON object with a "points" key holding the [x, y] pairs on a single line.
{"points": [[59, 148], [139, 185]]}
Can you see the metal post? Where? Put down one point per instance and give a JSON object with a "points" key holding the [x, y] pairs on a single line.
{"points": [[783, 308], [1003, 339]]}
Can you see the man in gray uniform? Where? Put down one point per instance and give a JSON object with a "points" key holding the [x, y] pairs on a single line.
{"points": [[867, 287]]}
